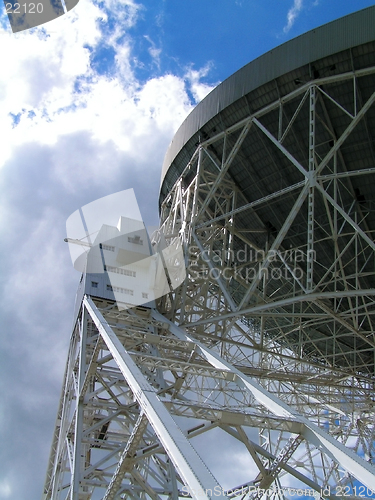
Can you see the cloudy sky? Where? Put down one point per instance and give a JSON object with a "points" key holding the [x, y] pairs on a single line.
{"points": [[89, 103]]}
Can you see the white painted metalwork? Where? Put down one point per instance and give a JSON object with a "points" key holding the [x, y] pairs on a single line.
{"points": [[264, 314], [269, 340]]}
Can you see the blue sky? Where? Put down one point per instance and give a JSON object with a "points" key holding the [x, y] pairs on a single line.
{"points": [[89, 104]]}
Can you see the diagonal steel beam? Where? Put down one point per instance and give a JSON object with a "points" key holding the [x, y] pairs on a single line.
{"points": [[276, 244], [291, 470], [127, 460], [217, 278], [348, 219], [281, 147], [346, 133], [351, 462], [247, 206], [188, 463], [225, 167], [284, 302]]}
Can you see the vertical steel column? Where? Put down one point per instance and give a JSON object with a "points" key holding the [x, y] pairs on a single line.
{"points": [[187, 238], [311, 195], [79, 456]]}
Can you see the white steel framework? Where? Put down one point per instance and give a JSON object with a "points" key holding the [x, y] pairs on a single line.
{"points": [[300, 323], [271, 331]]}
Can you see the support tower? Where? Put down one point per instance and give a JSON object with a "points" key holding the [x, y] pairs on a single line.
{"points": [[269, 187]]}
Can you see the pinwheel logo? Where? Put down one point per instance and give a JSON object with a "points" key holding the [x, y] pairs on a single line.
{"points": [[118, 257]]}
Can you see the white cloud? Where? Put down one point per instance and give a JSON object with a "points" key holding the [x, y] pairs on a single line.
{"points": [[293, 14], [5, 489], [44, 67], [198, 88], [233, 464], [154, 51]]}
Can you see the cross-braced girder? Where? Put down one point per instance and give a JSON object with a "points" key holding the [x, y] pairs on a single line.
{"points": [[281, 283], [268, 343], [114, 444], [334, 236]]}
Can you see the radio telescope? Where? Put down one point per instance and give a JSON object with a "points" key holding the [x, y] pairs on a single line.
{"points": [[268, 342]]}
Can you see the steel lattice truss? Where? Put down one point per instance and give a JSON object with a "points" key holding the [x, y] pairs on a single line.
{"points": [[271, 331]]}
